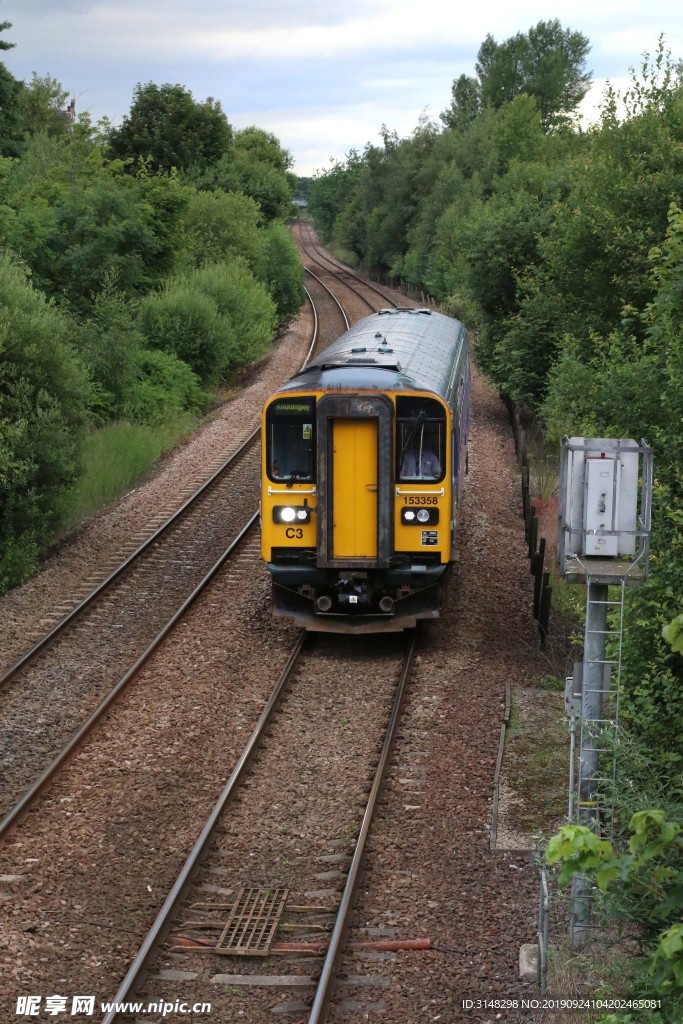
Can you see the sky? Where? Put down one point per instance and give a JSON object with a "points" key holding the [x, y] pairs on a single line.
{"points": [[323, 78]]}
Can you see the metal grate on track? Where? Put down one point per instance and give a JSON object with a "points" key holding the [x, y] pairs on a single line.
{"points": [[252, 922]]}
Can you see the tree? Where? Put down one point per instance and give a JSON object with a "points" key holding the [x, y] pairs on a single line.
{"points": [[10, 91], [264, 147], [168, 128], [41, 105], [281, 271], [465, 103], [256, 165], [547, 63], [44, 396]]}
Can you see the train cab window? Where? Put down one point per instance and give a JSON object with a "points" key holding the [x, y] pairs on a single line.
{"points": [[290, 450], [420, 439]]}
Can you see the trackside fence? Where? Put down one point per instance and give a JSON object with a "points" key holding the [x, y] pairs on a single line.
{"points": [[536, 545], [543, 928]]}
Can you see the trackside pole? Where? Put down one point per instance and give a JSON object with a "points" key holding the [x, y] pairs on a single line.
{"points": [[592, 718]]}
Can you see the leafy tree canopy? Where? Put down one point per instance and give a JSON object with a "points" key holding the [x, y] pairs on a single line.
{"points": [[41, 105], [264, 147], [465, 103], [547, 62], [168, 128], [10, 91], [256, 165]]}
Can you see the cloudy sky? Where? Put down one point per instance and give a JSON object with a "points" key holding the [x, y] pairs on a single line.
{"points": [[322, 78]]}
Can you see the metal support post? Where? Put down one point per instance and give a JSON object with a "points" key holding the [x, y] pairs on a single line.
{"points": [[594, 661]]}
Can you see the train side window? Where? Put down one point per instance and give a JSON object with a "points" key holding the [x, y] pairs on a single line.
{"points": [[420, 439], [290, 445]]}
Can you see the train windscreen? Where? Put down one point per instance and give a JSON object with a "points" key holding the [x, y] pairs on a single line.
{"points": [[290, 450], [420, 439]]}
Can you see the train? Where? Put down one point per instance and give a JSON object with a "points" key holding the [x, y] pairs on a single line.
{"points": [[364, 452]]}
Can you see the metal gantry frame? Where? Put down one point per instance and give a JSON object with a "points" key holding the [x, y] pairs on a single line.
{"points": [[572, 532], [592, 695]]}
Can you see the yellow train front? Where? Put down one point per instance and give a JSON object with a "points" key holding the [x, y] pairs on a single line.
{"points": [[364, 453]]}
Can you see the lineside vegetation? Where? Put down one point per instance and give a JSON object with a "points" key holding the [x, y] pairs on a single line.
{"points": [[140, 267]]}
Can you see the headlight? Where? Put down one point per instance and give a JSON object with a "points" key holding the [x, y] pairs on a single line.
{"points": [[419, 516], [292, 513]]}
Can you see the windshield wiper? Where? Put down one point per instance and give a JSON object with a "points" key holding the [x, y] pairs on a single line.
{"points": [[421, 417], [297, 474]]}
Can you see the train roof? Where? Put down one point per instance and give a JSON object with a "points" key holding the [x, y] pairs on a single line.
{"points": [[393, 350]]}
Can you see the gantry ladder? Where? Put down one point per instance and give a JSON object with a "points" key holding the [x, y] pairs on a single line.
{"points": [[599, 708]]}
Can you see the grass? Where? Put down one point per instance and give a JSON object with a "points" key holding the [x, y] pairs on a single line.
{"points": [[536, 759], [116, 457], [342, 254]]}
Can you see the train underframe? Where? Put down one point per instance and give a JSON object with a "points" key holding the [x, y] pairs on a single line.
{"points": [[354, 600]]}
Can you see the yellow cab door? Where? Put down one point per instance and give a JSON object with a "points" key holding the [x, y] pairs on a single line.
{"points": [[354, 486]]}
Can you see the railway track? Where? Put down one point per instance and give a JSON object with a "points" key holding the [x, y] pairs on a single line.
{"points": [[299, 724], [81, 663], [344, 275]]}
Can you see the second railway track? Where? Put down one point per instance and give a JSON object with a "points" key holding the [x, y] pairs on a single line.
{"points": [[343, 275], [57, 688]]}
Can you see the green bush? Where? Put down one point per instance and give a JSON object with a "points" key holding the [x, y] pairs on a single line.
{"points": [[44, 396], [185, 322], [225, 227], [222, 226], [641, 887], [245, 306], [215, 318], [163, 387], [280, 268]]}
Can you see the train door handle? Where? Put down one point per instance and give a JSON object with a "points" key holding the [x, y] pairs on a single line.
{"points": [[371, 487]]}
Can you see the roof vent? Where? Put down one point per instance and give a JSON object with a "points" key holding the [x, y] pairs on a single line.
{"points": [[359, 349], [405, 309]]}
